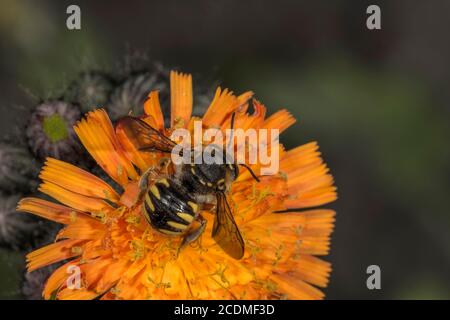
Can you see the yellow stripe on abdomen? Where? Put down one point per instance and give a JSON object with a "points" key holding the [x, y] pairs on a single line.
{"points": [[154, 190], [149, 202], [185, 216], [172, 233], [193, 205], [177, 225]]}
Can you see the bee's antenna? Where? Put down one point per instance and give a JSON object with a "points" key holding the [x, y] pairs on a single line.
{"points": [[233, 116], [250, 170]]}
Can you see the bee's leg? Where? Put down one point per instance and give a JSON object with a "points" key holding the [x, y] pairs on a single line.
{"points": [[206, 199], [143, 181], [194, 234], [164, 165], [153, 172]]}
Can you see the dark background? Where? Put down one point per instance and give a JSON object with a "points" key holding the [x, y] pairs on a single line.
{"points": [[377, 102]]}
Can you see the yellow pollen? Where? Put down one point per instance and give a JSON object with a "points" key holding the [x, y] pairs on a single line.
{"points": [[73, 216], [132, 219], [77, 250], [99, 215], [138, 249]]}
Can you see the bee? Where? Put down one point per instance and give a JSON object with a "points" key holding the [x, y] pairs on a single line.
{"points": [[173, 201]]}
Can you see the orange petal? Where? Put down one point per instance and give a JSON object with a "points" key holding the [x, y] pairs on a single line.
{"points": [[175, 280], [244, 120], [243, 98], [180, 99], [309, 183], [315, 234], [85, 230], [253, 199], [153, 108], [223, 104], [143, 160], [52, 253], [93, 270], [305, 232], [198, 279], [77, 294], [314, 198], [94, 249], [77, 180], [57, 279], [50, 210], [279, 120], [130, 195], [73, 200], [295, 288], [133, 270], [234, 272], [133, 290], [97, 135], [312, 270], [112, 274], [300, 156]]}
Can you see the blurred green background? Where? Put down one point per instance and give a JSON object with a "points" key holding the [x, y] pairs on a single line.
{"points": [[377, 102]]}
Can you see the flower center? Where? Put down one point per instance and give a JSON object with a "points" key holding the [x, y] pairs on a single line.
{"points": [[55, 128]]}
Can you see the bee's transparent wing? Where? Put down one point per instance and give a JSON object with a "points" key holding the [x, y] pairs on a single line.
{"points": [[225, 231], [143, 136]]}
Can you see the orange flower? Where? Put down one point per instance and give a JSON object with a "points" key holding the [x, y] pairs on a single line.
{"points": [[121, 257]]}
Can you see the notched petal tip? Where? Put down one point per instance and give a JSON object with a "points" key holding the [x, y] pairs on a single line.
{"points": [[181, 98], [98, 137]]}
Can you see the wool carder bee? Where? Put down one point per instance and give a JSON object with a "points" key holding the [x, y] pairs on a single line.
{"points": [[173, 201]]}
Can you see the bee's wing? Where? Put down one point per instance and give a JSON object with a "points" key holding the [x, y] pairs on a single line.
{"points": [[225, 231], [143, 136]]}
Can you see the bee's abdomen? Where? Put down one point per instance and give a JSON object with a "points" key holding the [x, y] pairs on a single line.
{"points": [[167, 208]]}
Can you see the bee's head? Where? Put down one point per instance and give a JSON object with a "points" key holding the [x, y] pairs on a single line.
{"points": [[218, 175], [216, 170]]}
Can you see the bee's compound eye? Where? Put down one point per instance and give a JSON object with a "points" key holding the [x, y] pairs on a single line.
{"points": [[234, 171]]}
